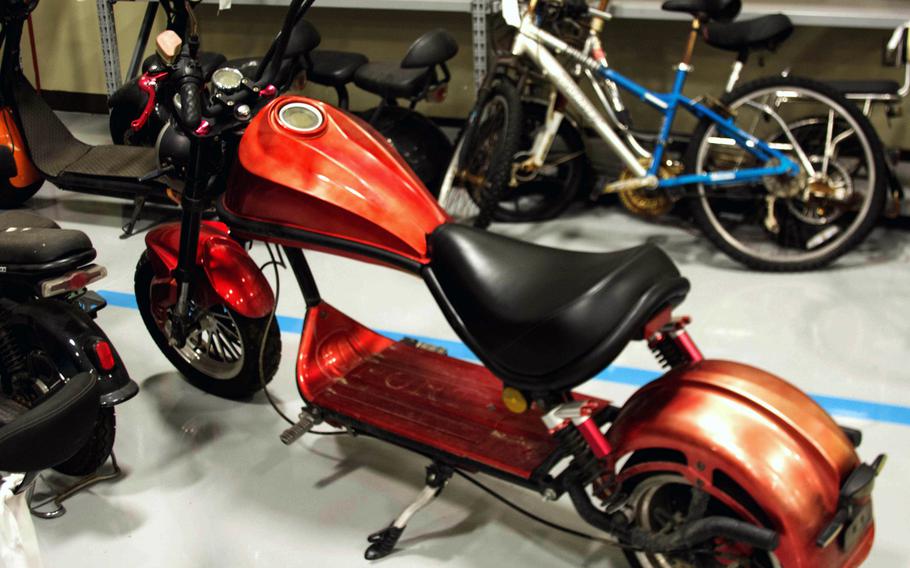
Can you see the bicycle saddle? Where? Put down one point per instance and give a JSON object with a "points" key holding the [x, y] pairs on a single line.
{"points": [[764, 33], [542, 318], [719, 10], [51, 432], [31, 244]]}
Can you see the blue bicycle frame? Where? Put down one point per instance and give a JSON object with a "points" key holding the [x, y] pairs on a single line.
{"points": [[668, 104]]}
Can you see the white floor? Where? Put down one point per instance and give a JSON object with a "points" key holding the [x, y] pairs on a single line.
{"points": [[210, 485]]}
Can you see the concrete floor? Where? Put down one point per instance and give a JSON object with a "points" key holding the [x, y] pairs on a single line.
{"points": [[209, 484]]}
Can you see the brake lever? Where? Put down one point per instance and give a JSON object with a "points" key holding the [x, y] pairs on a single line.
{"points": [[148, 83]]}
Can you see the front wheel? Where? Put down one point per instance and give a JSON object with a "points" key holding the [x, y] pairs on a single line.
{"points": [[222, 352], [791, 223]]}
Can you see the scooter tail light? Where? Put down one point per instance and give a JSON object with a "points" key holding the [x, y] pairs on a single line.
{"points": [[104, 355], [72, 281]]}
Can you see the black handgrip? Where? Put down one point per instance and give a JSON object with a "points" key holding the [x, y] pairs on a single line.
{"points": [[190, 111]]}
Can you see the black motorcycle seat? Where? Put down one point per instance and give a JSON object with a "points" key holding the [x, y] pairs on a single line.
{"points": [[719, 10], [867, 87], [208, 60], [541, 318], [763, 33], [41, 246], [54, 430], [390, 80], [31, 243], [432, 48], [334, 68], [25, 220]]}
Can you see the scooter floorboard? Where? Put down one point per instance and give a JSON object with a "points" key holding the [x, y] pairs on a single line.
{"points": [[443, 403]]}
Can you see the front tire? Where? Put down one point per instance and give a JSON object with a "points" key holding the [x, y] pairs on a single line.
{"points": [[790, 224], [222, 353]]}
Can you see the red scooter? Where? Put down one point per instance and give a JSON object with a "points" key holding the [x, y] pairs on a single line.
{"points": [[716, 463]]}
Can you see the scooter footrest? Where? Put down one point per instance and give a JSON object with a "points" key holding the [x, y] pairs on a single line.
{"points": [[442, 403]]}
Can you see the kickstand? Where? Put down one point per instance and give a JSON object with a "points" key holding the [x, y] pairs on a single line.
{"points": [[130, 228], [383, 542], [58, 510]]}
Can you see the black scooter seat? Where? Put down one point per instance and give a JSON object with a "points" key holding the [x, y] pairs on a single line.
{"points": [[334, 68], [390, 80], [51, 432], [31, 244], [546, 319]]}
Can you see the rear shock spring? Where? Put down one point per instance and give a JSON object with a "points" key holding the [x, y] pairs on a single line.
{"points": [[587, 465], [667, 351]]}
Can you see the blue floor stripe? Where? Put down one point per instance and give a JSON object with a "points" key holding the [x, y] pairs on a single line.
{"points": [[844, 407]]}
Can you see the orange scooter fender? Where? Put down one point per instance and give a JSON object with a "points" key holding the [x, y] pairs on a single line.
{"points": [[731, 428], [231, 275], [25, 173]]}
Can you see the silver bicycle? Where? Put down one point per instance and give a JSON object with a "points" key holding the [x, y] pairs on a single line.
{"points": [[770, 193]]}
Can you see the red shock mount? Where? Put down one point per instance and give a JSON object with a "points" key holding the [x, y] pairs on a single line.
{"points": [[668, 339]]}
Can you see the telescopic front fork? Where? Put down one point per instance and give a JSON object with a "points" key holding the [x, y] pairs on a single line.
{"points": [[193, 206]]}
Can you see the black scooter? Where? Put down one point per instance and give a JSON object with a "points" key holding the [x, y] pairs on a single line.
{"points": [[422, 75], [48, 334]]}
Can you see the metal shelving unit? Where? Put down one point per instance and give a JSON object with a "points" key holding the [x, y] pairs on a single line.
{"points": [[877, 14]]}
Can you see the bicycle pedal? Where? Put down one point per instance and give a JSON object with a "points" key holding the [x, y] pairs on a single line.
{"points": [[306, 421]]}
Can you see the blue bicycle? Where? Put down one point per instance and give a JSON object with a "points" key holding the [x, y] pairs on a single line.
{"points": [[781, 173]]}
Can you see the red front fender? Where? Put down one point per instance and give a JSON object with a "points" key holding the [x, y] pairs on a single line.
{"points": [[231, 275], [739, 432]]}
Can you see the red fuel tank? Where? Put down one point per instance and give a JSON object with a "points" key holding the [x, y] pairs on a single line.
{"points": [[323, 178]]}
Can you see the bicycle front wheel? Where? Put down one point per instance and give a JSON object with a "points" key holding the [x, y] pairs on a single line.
{"points": [[791, 223], [481, 164]]}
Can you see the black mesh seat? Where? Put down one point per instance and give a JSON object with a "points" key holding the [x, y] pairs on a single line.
{"points": [[52, 432], [58, 154], [390, 80], [764, 33], [30, 243], [867, 87], [720, 10], [334, 68], [544, 318]]}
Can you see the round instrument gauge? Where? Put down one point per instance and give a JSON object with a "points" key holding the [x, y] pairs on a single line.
{"points": [[227, 79], [301, 117]]}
